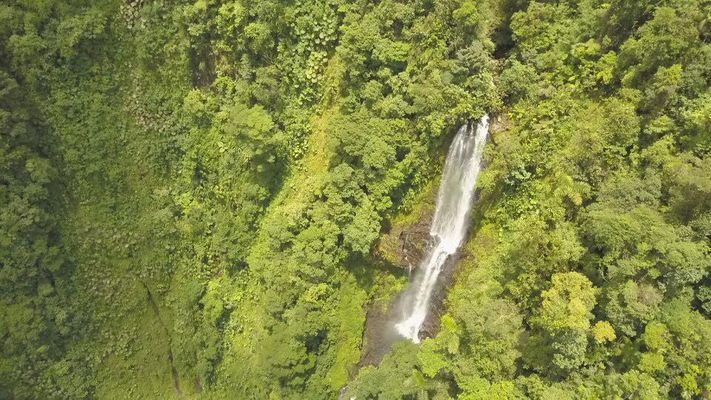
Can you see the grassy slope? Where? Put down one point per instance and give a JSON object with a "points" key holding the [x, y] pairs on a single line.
{"points": [[109, 224], [304, 179]]}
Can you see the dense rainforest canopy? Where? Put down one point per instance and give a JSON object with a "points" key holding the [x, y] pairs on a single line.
{"points": [[200, 199]]}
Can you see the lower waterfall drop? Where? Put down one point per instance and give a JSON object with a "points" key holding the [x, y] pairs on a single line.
{"points": [[450, 223]]}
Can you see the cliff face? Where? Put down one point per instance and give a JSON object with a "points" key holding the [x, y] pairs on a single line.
{"points": [[404, 241], [404, 245]]}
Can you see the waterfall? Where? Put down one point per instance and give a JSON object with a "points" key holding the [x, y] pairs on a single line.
{"points": [[450, 223]]}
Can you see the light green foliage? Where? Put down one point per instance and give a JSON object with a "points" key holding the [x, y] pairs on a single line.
{"points": [[584, 192], [603, 332], [567, 305], [396, 377]]}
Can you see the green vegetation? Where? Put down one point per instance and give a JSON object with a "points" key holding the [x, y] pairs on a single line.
{"points": [[201, 199]]}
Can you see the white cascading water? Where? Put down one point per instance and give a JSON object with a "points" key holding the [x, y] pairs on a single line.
{"points": [[450, 223]]}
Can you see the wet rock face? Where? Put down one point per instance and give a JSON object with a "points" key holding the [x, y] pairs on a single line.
{"points": [[413, 244], [378, 337], [404, 245]]}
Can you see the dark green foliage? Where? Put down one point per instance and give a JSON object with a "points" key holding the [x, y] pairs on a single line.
{"points": [[36, 317]]}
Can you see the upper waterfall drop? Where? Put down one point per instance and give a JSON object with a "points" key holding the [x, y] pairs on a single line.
{"points": [[450, 222]]}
